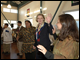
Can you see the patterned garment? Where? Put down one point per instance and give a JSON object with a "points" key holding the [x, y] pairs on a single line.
{"points": [[66, 48], [6, 48], [28, 36]]}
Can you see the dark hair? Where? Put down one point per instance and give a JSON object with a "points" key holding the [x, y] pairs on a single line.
{"points": [[28, 22], [6, 24], [40, 15], [20, 22], [69, 27]]}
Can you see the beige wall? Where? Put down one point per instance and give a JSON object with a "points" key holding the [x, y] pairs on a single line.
{"points": [[35, 5], [51, 8], [9, 16]]}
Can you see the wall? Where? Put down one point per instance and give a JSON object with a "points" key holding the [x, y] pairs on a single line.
{"points": [[9, 16], [34, 5], [51, 8]]}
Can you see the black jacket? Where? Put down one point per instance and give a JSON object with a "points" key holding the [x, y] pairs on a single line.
{"points": [[44, 36]]}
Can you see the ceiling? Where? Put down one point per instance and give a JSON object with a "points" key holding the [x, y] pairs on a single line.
{"points": [[15, 3]]}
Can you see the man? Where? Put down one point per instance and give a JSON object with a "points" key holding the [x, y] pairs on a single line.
{"points": [[7, 39], [19, 41]]}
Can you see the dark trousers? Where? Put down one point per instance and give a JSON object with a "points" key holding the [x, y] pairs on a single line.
{"points": [[30, 55], [40, 55]]}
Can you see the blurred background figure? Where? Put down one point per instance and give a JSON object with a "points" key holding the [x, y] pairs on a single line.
{"points": [[7, 39], [1, 37], [20, 40]]}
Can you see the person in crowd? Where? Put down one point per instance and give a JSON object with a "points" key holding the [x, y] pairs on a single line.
{"points": [[42, 34], [28, 36], [20, 40], [1, 30], [1, 37], [67, 44], [7, 39]]}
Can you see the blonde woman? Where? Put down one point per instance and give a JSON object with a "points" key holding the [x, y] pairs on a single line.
{"points": [[42, 34]]}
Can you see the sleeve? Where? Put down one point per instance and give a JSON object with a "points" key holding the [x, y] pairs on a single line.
{"points": [[50, 28], [20, 34], [55, 36], [49, 55], [15, 29], [34, 33], [50, 31], [35, 44], [10, 31], [2, 33]]}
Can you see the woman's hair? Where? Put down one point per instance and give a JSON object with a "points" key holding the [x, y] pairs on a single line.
{"points": [[28, 22], [40, 15], [69, 27]]}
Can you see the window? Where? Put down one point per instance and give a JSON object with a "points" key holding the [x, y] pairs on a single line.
{"points": [[5, 21], [77, 22], [75, 14], [14, 22], [9, 10], [13, 11], [6, 10]]}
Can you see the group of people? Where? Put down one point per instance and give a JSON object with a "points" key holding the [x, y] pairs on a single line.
{"points": [[34, 42]]}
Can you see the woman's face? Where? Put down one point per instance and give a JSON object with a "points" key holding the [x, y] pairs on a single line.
{"points": [[59, 25], [27, 24], [40, 19]]}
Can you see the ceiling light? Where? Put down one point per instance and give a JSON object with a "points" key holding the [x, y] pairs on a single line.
{"points": [[26, 14], [1, 4], [40, 7], [45, 9], [31, 13], [9, 6], [36, 11]]}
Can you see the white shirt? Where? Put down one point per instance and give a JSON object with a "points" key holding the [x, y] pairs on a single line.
{"points": [[20, 27], [7, 36]]}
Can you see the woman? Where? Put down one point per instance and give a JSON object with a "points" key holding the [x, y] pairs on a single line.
{"points": [[28, 35], [67, 44], [42, 34]]}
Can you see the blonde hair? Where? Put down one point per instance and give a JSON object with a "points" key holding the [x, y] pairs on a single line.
{"points": [[40, 15]]}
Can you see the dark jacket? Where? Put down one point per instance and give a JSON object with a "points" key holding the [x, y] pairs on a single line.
{"points": [[44, 36]]}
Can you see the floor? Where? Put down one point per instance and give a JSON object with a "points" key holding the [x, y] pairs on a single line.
{"points": [[13, 54]]}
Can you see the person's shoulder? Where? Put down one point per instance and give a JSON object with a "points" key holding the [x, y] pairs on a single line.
{"points": [[8, 28], [33, 27], [23, 28], [45, 23]]}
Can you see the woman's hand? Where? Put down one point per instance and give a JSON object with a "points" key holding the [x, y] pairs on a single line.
{"points": [[42, 49], [54, 30], [34, 47], [48, 18]]}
